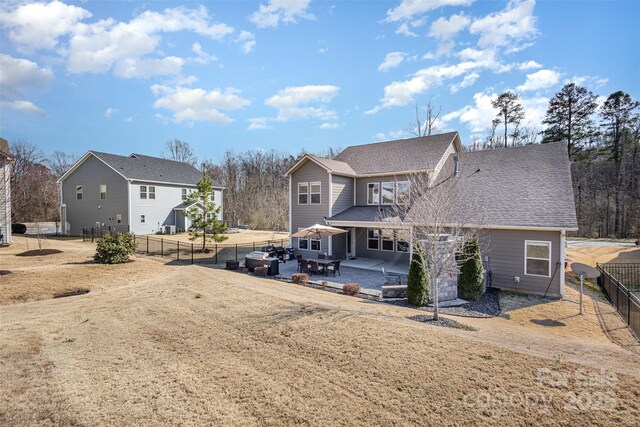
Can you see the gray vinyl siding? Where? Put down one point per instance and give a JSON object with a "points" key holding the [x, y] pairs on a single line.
{"points": [[341, 193], [91, 209], [5, 201], [306, 215], [362, 183], [362, 250], [505, 249]]}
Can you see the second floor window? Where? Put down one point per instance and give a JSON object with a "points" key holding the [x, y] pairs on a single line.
{"points": [[184, 194], [387, 193], [152, 192], [373, 193], [79, 192], [103, 191], [147, 192], [143, 191], [303, 193], [403, 190], [315, 193]]}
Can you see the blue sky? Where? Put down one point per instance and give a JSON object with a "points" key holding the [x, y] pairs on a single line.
{"points": [[128, 76]]}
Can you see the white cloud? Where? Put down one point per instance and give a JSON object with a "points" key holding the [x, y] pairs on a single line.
{"points": [[18, 74], [444, 29], [529, 65], [405, 31], [248, 41], [468, 80], [109, 112], [276, 11], [407, 9], [296, 102], [193, 105], [23, 106], [393, 135], [392, 60], [329, 125], [540, 80], [128, 119], [202, 56], [258, 123], [515, 23], [40, 25], [591, 81]]}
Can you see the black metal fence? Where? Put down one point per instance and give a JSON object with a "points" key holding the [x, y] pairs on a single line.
{"points": [[212, 253], [627, 273], [623, 298], [89, 234]]}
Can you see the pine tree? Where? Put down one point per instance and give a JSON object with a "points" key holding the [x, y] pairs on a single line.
{"points": [[509, 111], [570, 118], [418, 287], [470, 280], [203, 214]]}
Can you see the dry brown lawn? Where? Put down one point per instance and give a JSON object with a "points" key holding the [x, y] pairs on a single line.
{"points": [[244, 236], [160, 344]]}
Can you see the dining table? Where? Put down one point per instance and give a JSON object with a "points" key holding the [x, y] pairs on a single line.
{"points": [[322, 262]]}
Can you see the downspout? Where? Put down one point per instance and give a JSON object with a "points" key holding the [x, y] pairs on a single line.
{"points": [[330, 238], [129, 223], [563, 258], [290, 207]]}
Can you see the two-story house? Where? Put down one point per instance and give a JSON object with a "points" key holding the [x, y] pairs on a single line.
{"points": [[5, 192], [525, 192], [136, 193]]}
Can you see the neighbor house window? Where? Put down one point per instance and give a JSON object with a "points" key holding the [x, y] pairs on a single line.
{"points": [[303, 193], [373, 239], [373, 193], [387, 240], [143, 218], [315, 244], [143, 191], [537, 258], [184, 194], [103, 191], [213, 196], [152, 192], [315, 193], [303, 243], [79, 192], [387, 193], [402, 192]]}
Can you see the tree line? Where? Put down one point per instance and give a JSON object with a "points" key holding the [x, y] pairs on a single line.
{"points": [[603, 144]]}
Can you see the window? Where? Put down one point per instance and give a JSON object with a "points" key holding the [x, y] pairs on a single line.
{"points": [[103, 191], [537, 258], [387, 193], [213, 196], [303, 243], [373, 239], [403, 192], [315, 244], [373, 193], [143, 191], [143, 218], [79, 192], [152, 192], [387, 241], [315, 193], [402, 246], [303, 193], [184, 194]]}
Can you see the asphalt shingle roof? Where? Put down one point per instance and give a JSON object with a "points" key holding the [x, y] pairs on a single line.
{"points": [[147, 168], [334, 166], [413, 154]]}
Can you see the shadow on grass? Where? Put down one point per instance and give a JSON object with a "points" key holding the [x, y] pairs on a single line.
{"points": [[547, 322]]}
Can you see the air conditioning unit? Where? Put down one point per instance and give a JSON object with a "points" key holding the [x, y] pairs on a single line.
{"points": [[169, 229]]}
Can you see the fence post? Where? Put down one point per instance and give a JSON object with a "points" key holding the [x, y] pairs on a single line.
{"points": [[178, 250], [192, 253], [161, 247], [236, 251], [147, 245], [216, 249]]}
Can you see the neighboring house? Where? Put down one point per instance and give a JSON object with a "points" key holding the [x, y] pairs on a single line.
{"points": [[526, 193], [138, 193], [5, 192]]}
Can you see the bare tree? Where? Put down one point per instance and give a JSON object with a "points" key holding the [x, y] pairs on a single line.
{"points": [[180, 151], [441, 217], [426, 126], [59, 162]]}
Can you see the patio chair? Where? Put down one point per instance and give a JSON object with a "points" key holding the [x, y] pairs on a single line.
{"points": [[334, 267], [392, 278], [303, 265], [313, 267]]}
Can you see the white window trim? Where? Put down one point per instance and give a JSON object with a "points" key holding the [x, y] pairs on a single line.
{"points": [[100, 192], [308, 191], [539, 243], [393, 192], [184, 194], [300, 239], [149, 192], [319, 193], [319, 245], [81, 192], [373, 238], [369, 185], [145, 192], [396, 192], [396, 246], [393, 244]]}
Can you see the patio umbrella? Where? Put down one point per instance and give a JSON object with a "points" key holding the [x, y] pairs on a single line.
{"points": [[318, 231]]}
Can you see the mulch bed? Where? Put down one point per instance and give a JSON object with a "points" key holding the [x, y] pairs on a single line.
{"points": [[487, 306], [447, 323], [37, 252]]}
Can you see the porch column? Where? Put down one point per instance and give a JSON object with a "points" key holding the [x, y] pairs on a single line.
{"points": [[410, 244]]}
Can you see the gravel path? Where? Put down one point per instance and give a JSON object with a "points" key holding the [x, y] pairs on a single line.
{"points": [[487, 306]]}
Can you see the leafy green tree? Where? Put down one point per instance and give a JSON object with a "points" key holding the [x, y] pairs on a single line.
{"points": [[570, 118], [418, 287], [470, 280], [510, 111], [203, 214]]}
